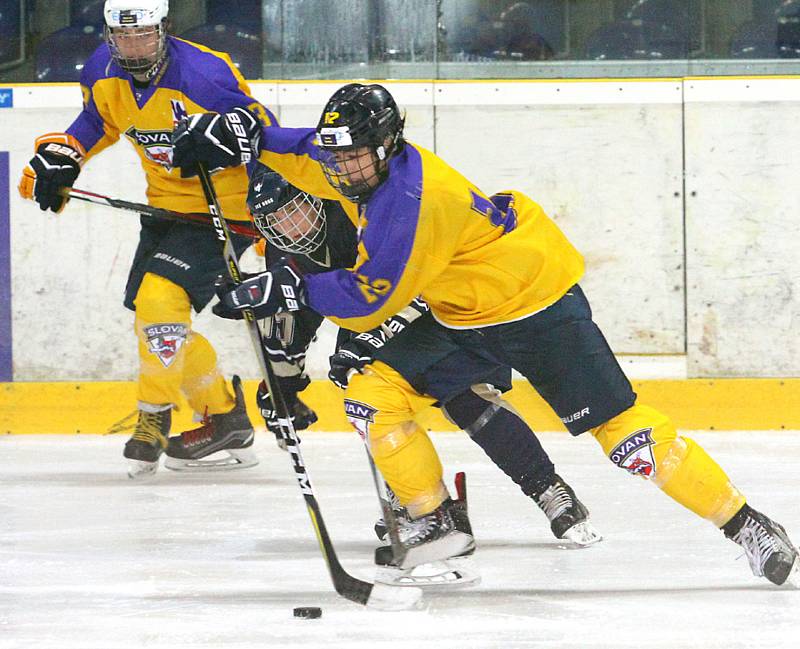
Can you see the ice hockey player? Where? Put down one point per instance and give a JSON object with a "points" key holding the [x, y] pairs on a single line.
{"points": [[139, 84], [499, 277], [317, 235]]}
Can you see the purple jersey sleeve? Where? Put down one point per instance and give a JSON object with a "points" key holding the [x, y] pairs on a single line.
{"points": [[89, 127], [298, 141], [392, 216]]}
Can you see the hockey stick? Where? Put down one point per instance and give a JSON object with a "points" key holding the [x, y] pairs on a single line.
{"points": [[349, 587], [192, 218], [390, 520]]}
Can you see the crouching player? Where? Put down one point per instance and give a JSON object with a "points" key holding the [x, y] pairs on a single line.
{"points": [[318, 236]]}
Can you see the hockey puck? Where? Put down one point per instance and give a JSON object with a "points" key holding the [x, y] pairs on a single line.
{"points": [[308, 612]]}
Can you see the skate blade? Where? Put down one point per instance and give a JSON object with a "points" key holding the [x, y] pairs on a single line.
{"points": [[450, 574], [236, 458], [582, 535], [141, 470], [447, 547]]}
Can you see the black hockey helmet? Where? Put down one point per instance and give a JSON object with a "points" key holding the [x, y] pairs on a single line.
{"points": [[288, 218], [362, 119]]}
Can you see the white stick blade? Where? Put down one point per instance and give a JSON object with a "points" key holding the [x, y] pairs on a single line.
{"points": [[394, 598]]}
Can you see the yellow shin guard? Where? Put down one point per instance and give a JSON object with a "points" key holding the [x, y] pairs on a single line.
{"points": [[380, 404], [203, 384], [644, 442], [172, 357]]}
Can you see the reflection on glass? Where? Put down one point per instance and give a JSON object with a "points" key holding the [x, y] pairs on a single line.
{"points": [[48, 40]]}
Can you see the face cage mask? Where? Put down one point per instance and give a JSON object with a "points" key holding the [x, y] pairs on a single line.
{"points": [[146, 66], [371, 172], [298, 227]]}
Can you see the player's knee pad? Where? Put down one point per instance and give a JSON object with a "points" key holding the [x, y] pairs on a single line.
{"points": [[644, 442], [161, 300], [379, 409]]}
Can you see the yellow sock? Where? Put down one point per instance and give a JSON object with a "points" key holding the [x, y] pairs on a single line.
{"points": [[162, 324], [644, 442], [380, 404], [203, 384]]}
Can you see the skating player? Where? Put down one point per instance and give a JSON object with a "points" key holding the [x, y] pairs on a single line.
{"points": [[137, 86], [318, 236], [499, 277]]}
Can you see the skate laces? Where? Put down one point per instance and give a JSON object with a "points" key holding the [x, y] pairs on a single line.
{"points": [[200, 435], [148, 428], [420, 530], [554, 501], [758, 543]]}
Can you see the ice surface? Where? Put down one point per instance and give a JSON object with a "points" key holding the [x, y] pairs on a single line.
{"points": [[90, 559]]}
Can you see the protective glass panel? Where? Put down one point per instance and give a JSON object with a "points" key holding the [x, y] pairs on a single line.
{"points": [[49, 40]]}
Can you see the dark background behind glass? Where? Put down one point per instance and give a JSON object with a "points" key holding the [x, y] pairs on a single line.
{"points": [[48, 40]]}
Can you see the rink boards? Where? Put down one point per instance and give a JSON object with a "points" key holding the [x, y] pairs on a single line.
{"points": [[107, 407], [678, 192]]}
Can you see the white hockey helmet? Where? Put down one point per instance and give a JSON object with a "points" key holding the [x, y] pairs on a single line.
{"points": [[136, 32]]}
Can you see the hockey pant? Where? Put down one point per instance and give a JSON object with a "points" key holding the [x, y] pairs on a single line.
{"points": [[172, 357], [644, 442]]}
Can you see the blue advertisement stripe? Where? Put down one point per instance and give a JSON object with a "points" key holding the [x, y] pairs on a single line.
{"points": [[6, 369]]}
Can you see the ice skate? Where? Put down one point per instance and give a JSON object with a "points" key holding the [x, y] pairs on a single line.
{"points": [[458, 509], [432, 537], [767, 547], [568, 516], [229, 436], [435, 549], [147, 443]]}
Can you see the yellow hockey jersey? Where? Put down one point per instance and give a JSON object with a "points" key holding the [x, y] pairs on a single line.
{"points": [[427, 230], [194, 79]]}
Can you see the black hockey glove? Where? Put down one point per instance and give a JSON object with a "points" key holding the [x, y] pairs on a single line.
{"points": [[359, 350], [300, 414], [353, 355], [279, 289], [56, 165], [219, 141]]}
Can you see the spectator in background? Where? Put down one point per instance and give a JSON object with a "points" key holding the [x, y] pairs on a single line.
{"points": [[519, 36]]}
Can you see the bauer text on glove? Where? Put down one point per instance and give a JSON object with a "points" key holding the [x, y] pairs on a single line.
{"points": [[216, 140]]}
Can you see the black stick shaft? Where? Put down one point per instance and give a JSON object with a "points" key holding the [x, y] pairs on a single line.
{"points": [[345, 584], [192, 218]]}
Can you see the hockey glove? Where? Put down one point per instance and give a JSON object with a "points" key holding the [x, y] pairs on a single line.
{"points": [[353, 355], [219, 141], [300, 414], [56, 165], [279, 289], [359, 351]]}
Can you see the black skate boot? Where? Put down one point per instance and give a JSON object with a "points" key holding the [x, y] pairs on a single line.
{"points": [[384, 555], [767, 546], [230, 432], [433, 537], [148, 441], [569, 518]]}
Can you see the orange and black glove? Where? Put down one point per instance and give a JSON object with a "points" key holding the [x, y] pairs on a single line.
{"points": [[56, 165]]}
